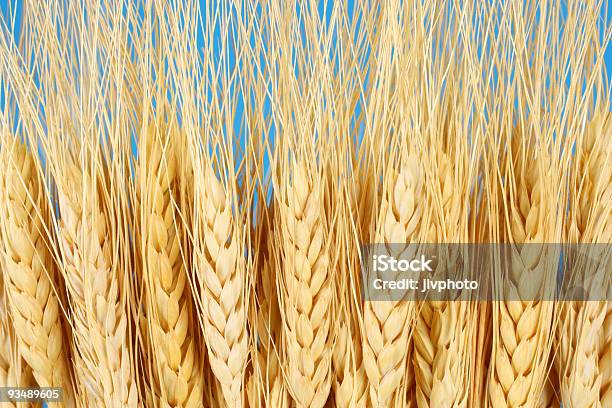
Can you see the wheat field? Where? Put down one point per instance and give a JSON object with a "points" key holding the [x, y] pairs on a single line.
{"points": [[191, 191]]}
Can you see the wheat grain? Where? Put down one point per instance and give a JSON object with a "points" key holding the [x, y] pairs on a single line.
{"points": [[103, 362], [222, 280], [386, 330], [33, 303], [306, 291], [177, 370]]}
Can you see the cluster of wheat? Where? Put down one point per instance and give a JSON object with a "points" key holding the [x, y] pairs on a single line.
{"points": [[186, 188]]}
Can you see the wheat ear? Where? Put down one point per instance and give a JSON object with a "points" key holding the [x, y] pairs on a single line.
{"points": [[306, 293], [33, 303], [222, 279], [590, 221], [177, 370], [103, 362], [440, 338], [521, 327], [387, 324]]}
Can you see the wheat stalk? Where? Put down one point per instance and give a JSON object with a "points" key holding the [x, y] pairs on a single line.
{"points": [[177, 370], [387, 324], [305, 293], [33, 302], [222, 279], [99, 320]]}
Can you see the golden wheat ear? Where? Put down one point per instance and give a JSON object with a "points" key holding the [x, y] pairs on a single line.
{"points": [[29, 269], [441, 355], [103, 365], [387, 324], [221, 276], [582, 378], [305, 291], [522, 325], [177, 369]]}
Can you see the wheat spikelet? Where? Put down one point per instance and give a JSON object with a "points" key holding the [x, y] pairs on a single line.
{"points": [[387, 323], [440, 337], [521, 327], [222, 280], [177, 368], [306, 292], [33, 303], [103, 365]]}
